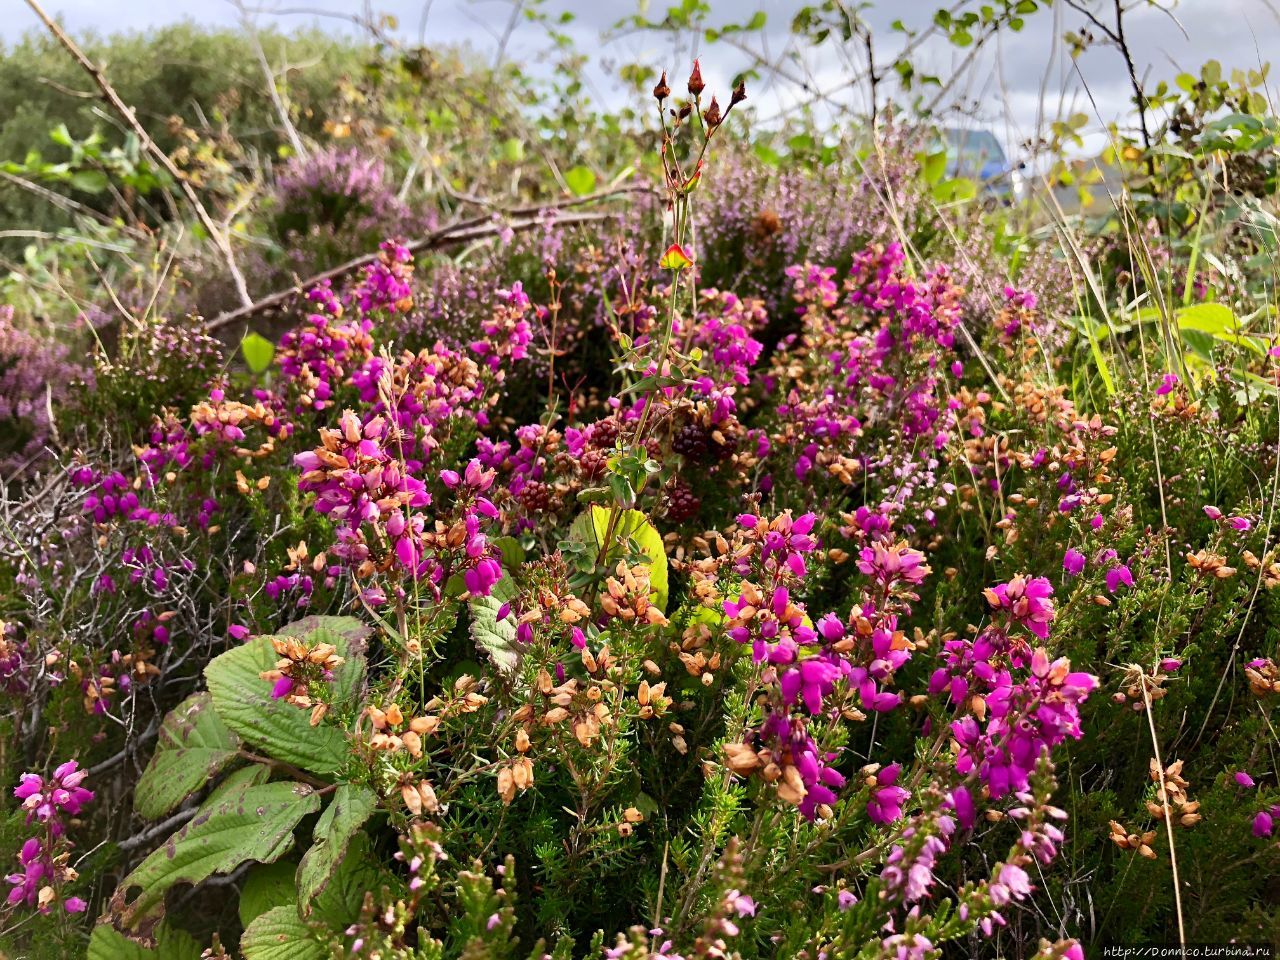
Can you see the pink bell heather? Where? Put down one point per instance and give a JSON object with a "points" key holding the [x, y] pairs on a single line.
{"points": [[1263, 824], [385, 285], [1027, 602], [775, 628], [507, 333], [1010, 883], [782, 542], [1118, 576], [889, 563], [42, 873], [1073, 562], [1023, 720], [62, 794], [354, 474], [885, 804]]}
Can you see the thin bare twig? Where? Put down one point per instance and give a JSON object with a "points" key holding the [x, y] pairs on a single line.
{"points": [[129, 115]]}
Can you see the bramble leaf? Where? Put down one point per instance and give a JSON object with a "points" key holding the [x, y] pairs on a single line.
{"points": [[195, 745], [592, 525], [266, 887], [255, 824], [496, 637], [243, 699], [279, 934], [107, 943], [351, 806]]}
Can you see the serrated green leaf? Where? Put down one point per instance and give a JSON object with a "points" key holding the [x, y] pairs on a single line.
{"points": [[195, 745], [107, 943], [496, 637], [258, 351], [243, 699], [266, 887], [256, 824], [236, 782], [279, 934], [346, 814], [340, 901]]}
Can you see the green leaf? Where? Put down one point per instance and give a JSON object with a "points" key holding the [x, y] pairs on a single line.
{"points": [[195, 745], [258, 351], [268, 886], [580, 180], [350, 636], [340, 901], [592, 525], [956, 190], [279, 934], [256, 824], [1212, 318], [107, 943], [496, 637], [61, 135], [767, 155], [934, 166], [513, 150], [351, 806], [512, 552], [89, 181], [236, 782], [243, 699]]}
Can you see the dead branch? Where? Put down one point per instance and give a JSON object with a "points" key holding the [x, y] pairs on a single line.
{"points": [[460, 232]]}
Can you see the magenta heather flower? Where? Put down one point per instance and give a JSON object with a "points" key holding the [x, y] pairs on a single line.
{"points": [[783, 542], [1028, 602], [1243, 779], [1023, 720], [888, 563], [1073, 562], [740, 903], [507, 333], [885, 804], [1263, 824], [355, 474], [62, 794], [1118, 576], [1009, 883], [321, 353], [385, 285]]}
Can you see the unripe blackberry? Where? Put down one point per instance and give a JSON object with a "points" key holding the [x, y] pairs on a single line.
{"points": [[682, 503], [723, 451], [592, 464], [604, 434], [536, 497], [691, 441]]}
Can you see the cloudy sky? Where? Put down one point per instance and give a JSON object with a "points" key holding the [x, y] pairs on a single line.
{"points": [[1012, 85]]}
